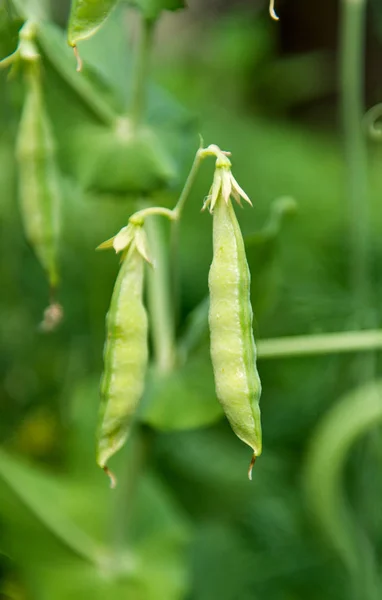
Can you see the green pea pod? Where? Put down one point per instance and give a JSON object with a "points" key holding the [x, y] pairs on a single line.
{"points": [[233, 350], [125, 357], [86, 17], [39, 187]]}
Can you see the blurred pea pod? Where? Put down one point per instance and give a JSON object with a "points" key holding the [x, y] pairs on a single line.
{"points": [[126, 347], [39, 188]]}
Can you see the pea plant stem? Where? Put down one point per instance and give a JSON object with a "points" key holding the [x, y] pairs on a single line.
{"points": [[175, 233], [159, 298], [189, 183], [161, 294], [352, 66], [327, 343], [139, 217], [138, 101], [352, 41]]}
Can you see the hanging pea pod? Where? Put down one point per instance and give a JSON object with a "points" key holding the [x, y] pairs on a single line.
{"points": [[233, 350], [39, 187], [126, 347], [86, 17]]}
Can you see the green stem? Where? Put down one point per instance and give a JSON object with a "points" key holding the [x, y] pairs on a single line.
{"points": [[138, 103], [352, 84], [175, 231], [327, 343], [139, 217], [201, 154], [159, 299], [364, 369]]}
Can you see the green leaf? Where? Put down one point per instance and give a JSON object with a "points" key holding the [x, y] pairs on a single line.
{"points": [[262, 250], [44, 499], [122, 160], [51, 527], [60, 56], [113, 158], [183, 399]]}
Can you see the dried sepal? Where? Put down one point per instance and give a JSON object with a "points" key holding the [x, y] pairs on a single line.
{"points": [[142, 245], [119, 242], [107, 244], [214, 191], [224, 184], [237, 192], [125, 237]]}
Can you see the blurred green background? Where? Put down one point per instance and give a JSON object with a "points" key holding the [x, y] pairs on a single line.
{"points": [[288, 99]]}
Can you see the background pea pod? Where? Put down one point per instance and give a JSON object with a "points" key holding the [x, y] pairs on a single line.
{"points": [[125, 356], [86, 16], [39, 187], [233, 350]]}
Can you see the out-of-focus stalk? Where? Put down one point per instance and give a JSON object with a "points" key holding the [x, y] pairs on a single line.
{"points": [[365, 578], [352, 60]]}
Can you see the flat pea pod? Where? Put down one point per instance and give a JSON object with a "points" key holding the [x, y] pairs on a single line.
{"points": [[233, 350], [86, 17], [125, 357], [38, 176]]}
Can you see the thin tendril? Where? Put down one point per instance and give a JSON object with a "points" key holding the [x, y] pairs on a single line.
{"points": [[78, 59], [272, 11], [251, 464], [111, 476]]}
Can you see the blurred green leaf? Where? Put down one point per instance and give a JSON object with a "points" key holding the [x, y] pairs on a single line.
{"points": [[60, 56], [183, 399], [262, 250], [44, 498], [124, 159], [31, 9], [49, 525]]}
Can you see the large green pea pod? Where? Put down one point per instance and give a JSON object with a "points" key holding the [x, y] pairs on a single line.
{"points": [[86, 17], [125, 357], [233, 350], [39, 187]]}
